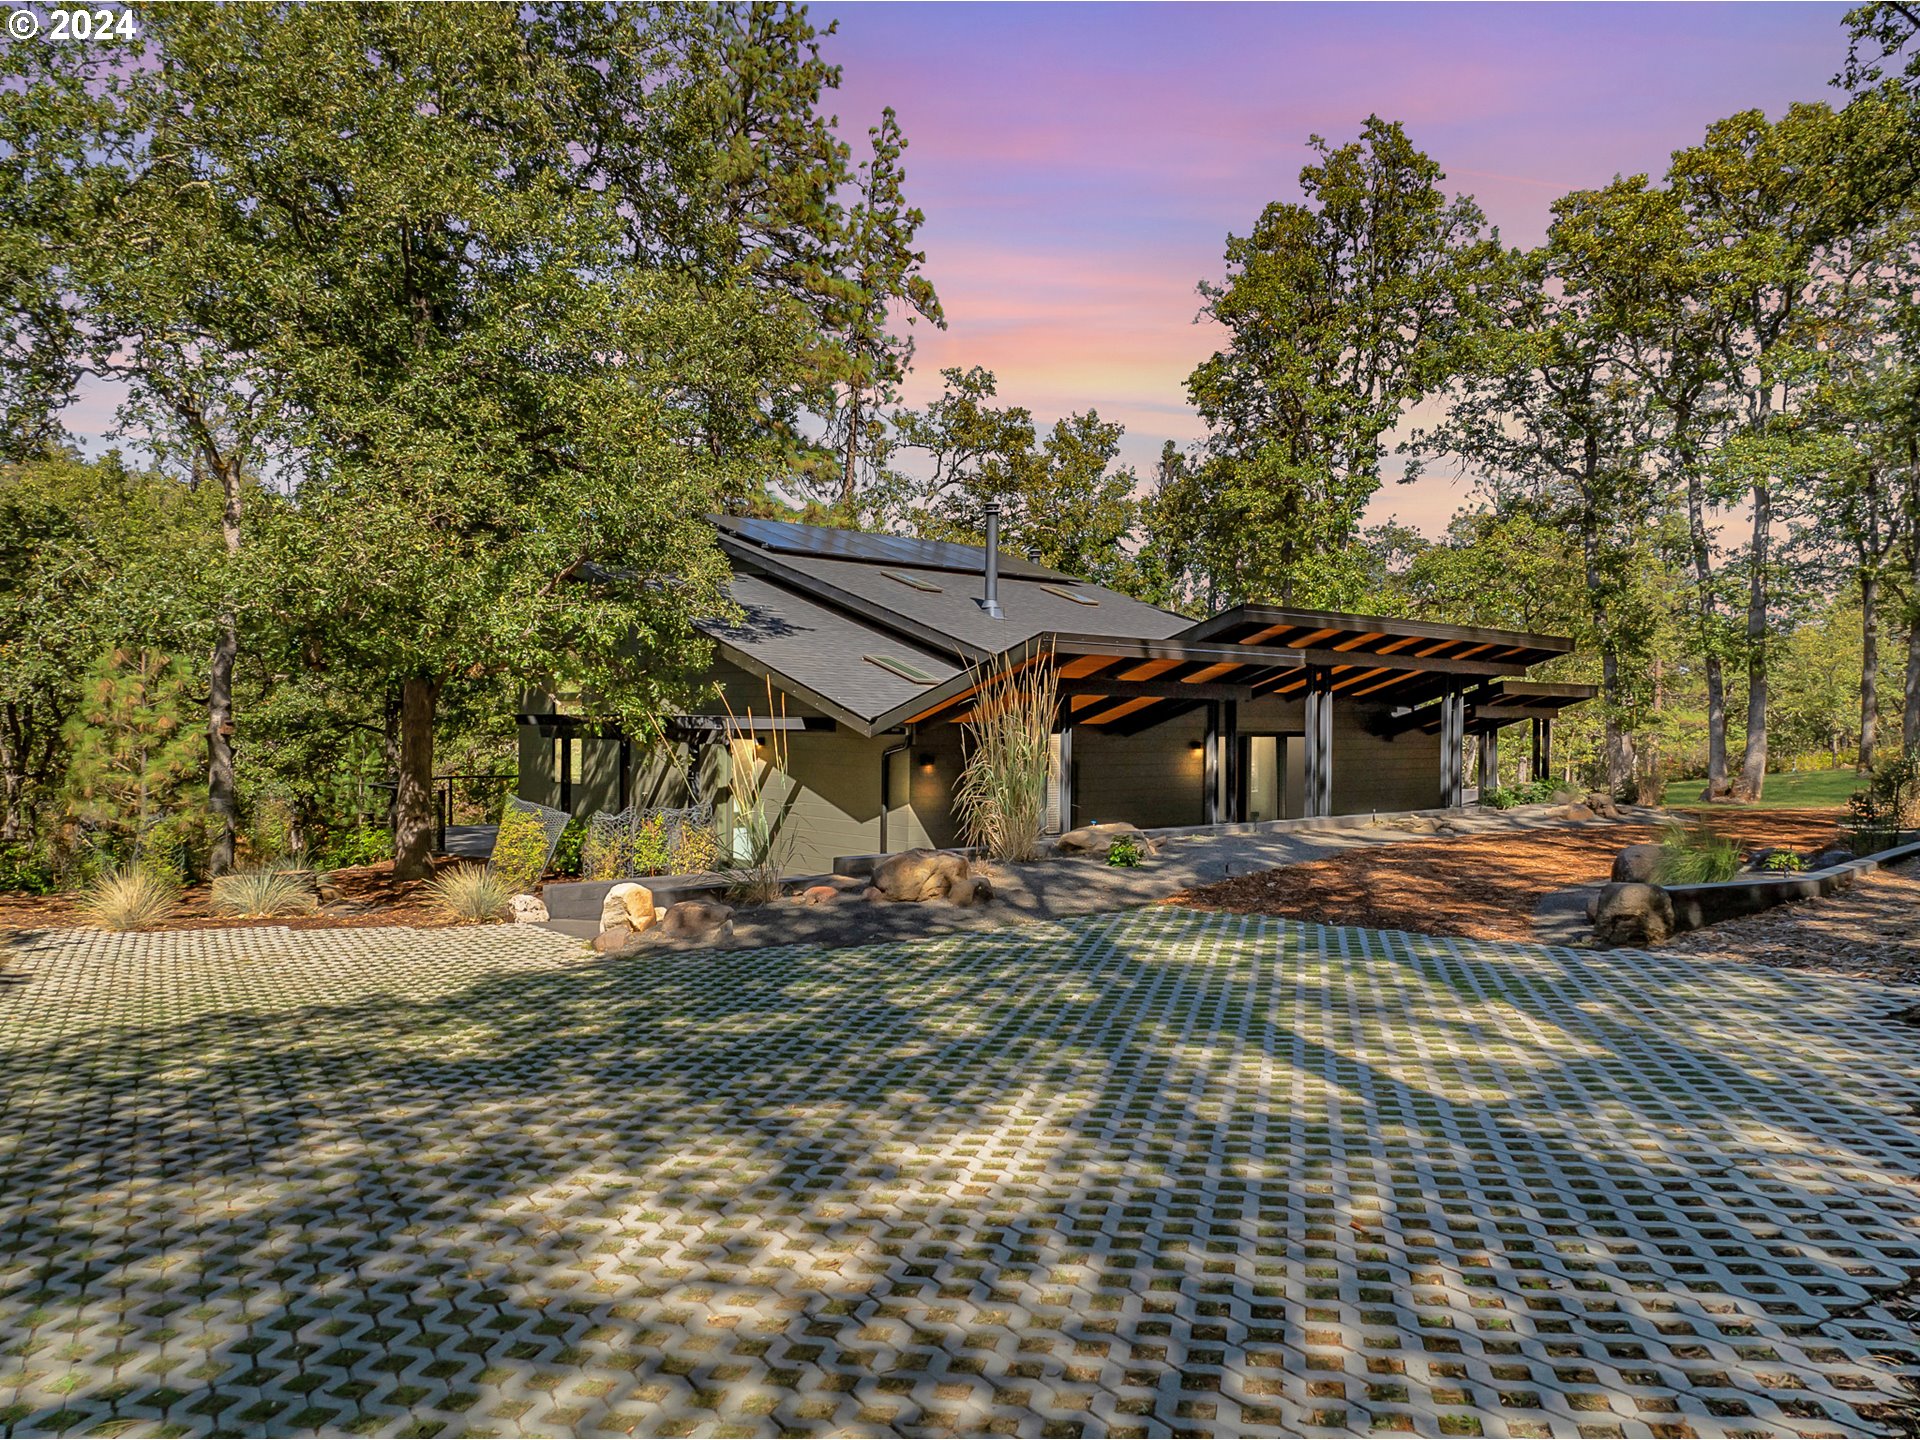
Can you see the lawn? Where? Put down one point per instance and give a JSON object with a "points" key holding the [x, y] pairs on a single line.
{"points": [[1148, 1173], [1786, 790]]}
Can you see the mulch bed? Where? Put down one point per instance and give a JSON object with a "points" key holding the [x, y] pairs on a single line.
{"points": [[369, 895], [1869, 932], [1481, 887]]}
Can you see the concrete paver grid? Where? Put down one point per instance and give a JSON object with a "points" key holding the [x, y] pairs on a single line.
{"points": [[1147, 1173]]}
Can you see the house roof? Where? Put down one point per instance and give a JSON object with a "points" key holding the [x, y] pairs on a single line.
{"points": [[881, 630]]}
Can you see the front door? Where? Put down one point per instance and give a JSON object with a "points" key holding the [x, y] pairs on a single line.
{"points": [[1262, 774]]}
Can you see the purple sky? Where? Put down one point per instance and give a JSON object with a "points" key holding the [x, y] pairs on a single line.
{"points": [[1082, 165]]}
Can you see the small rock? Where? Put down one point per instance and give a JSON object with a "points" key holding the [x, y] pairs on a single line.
{"points": [[612, 938], [1602, 803], [1637, 864], [527, 910], [817, 895], [1574, 810], [1632, 914]]}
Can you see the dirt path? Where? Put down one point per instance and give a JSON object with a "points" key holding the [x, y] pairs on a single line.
{"points": [[1484, 887]]}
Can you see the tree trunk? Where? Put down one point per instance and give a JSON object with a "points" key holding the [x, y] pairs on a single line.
{"points": [[222, 794], [413, 815], [1753, 768], [1702, 554], [1869, 669], [848, 474], [1910, 710]]}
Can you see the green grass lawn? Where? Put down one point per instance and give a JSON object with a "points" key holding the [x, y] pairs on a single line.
{"points": [[1788, 790]]}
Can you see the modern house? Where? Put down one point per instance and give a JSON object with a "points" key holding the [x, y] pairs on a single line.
{"points": [[869, 647]]}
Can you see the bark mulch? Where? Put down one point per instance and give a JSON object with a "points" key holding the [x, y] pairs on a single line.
{"points": [[369, 895], [1870, 932], [1481, 887]]}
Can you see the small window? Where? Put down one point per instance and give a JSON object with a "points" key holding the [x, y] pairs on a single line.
{"points": [[914, 580], [901, 668], [1066, 594]]}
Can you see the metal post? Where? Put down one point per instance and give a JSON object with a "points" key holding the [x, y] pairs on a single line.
{"points": [[1489, 761], [1210, 768], [626, 768], [1319, 738], [566, 768], [1453, 724], [1233, 806], [1065, 779], [1546, 747]]}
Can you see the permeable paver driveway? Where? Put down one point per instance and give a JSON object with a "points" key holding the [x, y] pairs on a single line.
{"points": [[1148, 1173]]}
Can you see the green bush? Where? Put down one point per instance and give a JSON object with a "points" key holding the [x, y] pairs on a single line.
{"points": [[519, 850], [1784, 862], [359, 845], [23, 868], [566, 854], [1125, 853], [1888, 804], [1696, 855], [1534, 792]]}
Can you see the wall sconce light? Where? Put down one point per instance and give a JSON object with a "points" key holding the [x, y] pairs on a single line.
{"points": [[925, 761], [1196, 746]]}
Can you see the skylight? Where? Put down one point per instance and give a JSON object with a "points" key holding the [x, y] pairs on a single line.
{"points": [[914, 580], [904, 669], [1066, 594]]}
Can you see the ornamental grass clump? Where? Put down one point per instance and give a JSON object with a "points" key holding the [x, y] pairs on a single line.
{"points": [[469, 895], [251, 894], [1002, 794], [755, 877], [133, 898], [1696, 855]]}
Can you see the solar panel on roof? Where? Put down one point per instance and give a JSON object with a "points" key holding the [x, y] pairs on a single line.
{"points": [[786, 537]]}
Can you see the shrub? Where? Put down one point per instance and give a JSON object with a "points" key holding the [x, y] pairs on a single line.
{"points": [[1784, 862], [1888, 804], [567, 850], [1002, 794], [471, 894], [360, 845], [24, 868], [263, 892], [1696, 855], [519, 850], [1125, 853], [1534, 792], [129, 899], [695, 851]]}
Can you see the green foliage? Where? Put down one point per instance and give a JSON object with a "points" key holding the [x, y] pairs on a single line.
{"points": [[567, 851], [1887, 806], [1784, 862], [134, 898], [520, 846], [1001, 798], [261, 892], [1505, 797], [135, 753], [25, 869], [469, 894], [1341, 310], [1696, 854], [1126, 853], [353, 845]]}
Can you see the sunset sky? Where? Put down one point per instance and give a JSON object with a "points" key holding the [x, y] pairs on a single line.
{"points": [[1082, 165]]}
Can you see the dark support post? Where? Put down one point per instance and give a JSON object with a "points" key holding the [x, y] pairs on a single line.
{"points": [[626, 770], [1210, 768], [1542, 747], [1230, 759], [1319, 739], [1489, 761], [566, 769], [1453, 725], [1065, 778]]}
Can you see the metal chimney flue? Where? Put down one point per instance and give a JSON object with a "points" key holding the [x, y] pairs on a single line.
{"points": [[989, 601]]}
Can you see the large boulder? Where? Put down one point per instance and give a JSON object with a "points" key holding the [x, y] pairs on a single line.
{"points": [[1632, 914], [527, 910], [627, 904], [1831, 856], [913, 876], [700, 921], [1572, 810], [1637, 864], [1603, 804], [612, 939], [1098, 839]]}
